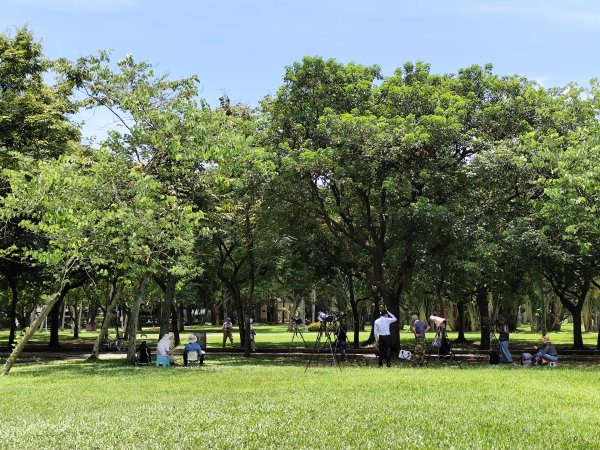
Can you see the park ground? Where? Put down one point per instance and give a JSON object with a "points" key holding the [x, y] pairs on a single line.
{"points": [[276, 401]]}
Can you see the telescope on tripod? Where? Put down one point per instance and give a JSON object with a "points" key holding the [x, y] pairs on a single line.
{"points": [[297, 326], [329, 326]]}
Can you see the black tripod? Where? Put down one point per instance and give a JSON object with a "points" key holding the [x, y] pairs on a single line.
{"points": [[297, 332], [326, 329]]}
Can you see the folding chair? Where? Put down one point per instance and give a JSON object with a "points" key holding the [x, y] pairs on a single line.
{"points": [[193, 359]]}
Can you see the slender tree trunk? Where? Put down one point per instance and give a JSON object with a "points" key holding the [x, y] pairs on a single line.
{"points": [[77, 319], [482, 304], [354, 308], [115, 294], [59, 286], [174, 325], [13, 311], [55, 320], [461, 322], [134, 317], [165, 310]]}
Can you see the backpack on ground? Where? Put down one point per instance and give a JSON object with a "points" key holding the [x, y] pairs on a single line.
{"points": [[494, 357], [526, 359]]}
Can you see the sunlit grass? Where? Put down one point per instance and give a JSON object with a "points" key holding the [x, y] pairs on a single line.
{"points": [[237, 402]]}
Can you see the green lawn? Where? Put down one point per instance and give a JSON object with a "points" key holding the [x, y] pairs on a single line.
{"points": [[235, 402]]}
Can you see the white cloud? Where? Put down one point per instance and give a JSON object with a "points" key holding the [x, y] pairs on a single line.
{"points": [[79, 5]]}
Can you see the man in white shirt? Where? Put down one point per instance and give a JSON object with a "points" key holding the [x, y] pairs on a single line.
{"points": [[381, 329]]}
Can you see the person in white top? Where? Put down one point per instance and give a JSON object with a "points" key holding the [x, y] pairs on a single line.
{"points": [[383, 338], [163, 348]]}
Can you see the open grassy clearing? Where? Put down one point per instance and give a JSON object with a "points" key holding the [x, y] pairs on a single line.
{"points": [[235, 402]]}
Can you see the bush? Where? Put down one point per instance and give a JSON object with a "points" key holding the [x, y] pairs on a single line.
{"points": [[315, 326]]}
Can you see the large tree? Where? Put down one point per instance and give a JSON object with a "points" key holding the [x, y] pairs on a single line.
{"points": [[382, 165]]}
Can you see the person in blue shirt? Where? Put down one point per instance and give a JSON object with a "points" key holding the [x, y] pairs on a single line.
{"points": [[192, 346]]}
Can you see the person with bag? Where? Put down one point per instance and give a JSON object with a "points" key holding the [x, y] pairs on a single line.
{"points": [[227, 334]]}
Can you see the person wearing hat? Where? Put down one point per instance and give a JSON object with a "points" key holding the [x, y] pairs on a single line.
{"points": [[227, 326], [546, 354], [192, 346]]}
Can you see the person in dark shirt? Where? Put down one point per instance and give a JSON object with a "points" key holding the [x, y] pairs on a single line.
{"points": [[419, 328], [502, 330], [547, 353]]}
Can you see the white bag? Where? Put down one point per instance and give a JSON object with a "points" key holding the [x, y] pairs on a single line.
{"points": [[405, 354]]}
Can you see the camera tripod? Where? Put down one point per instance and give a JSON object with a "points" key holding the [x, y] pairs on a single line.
{"points": [[441, 345], [326, 329], [297, 332]]}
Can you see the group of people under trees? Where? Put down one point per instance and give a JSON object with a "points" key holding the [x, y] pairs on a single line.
{"points": [[547, 354], [164, 350]]}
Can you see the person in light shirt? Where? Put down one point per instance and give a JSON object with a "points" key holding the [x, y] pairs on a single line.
{"points": [[163, 348], [383, 337]]}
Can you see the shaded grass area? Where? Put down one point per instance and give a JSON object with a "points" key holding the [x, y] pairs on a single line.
{"points": [[237, 402]]}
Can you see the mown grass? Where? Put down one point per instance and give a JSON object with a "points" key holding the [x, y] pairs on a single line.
{"points": [[234, 402]]}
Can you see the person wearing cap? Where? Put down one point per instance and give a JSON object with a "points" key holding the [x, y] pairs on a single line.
{"points": [[419, 328], [547, 354], [383, 337], [192, 346], [227, 326]]}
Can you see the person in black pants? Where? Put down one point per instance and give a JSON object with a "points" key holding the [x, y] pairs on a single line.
{"points": [[383, 337]]}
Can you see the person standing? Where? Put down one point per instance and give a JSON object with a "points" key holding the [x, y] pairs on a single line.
{"points": [[503, 333], [383, 337], [419, 328], [252, 334], [227, 327]]}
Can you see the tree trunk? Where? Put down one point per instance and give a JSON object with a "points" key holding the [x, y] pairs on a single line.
{"points": [[165, 310], [461, 322], [59, 286], [174, 325], [77, 319], [134, 317], [13, 311], [115, 294], [482, 304]]}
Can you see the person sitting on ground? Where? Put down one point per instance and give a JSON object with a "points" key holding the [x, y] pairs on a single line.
{"points": [[193, 346], [547, 354], [163, 348], [227, 326]]}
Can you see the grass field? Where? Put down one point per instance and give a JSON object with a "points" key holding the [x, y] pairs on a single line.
{"points": [[236, 402]]}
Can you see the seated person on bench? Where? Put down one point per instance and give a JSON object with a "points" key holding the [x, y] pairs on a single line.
{"points": [[163, 348], [548, 353], [192, 346]]}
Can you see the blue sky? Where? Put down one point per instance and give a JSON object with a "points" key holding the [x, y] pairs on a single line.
{"points": [[241, 47]]}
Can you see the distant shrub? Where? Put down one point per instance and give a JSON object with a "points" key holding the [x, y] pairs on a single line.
{"points": [[315, 326]]}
